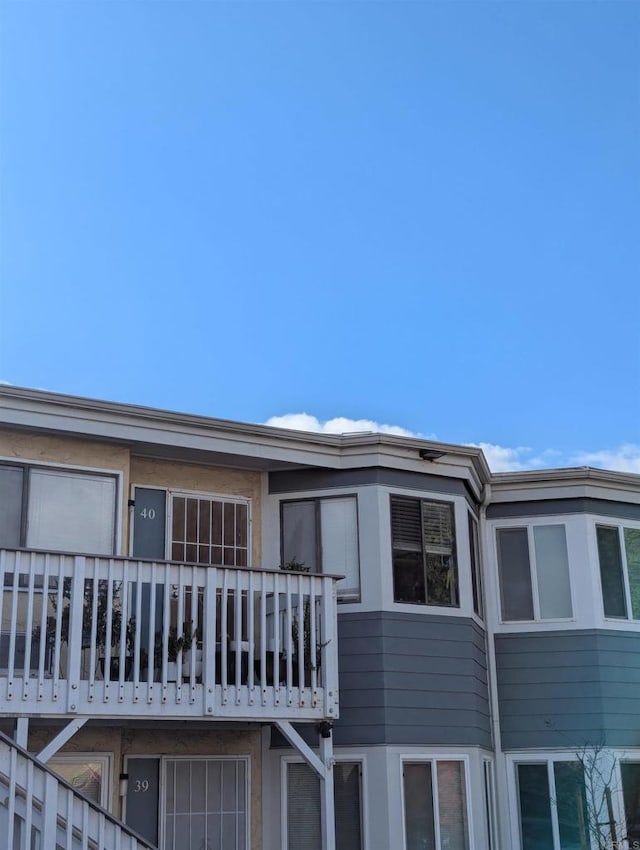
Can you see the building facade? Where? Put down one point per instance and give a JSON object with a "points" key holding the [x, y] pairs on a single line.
{"points": [[237, 637]]}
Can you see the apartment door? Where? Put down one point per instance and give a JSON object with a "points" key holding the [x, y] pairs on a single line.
{"points": [[205, 804]]}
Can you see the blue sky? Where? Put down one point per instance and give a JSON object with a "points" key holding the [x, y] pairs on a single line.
{"points": [[424, 214]]}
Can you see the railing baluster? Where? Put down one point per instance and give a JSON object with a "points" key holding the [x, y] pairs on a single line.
{"points": [[151, 634], [209, 640], [137, 640], [44, 622], [223, 636], [75, 634], [28, 631], [166, 613], [238, 635], [251, 636], [14, 621], [124, 624], [263, 643], [57, 643]]}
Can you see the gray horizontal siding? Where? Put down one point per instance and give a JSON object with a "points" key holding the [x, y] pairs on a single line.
{"points": [[411, 679], [298, 480], [550, 507], [569, 689]]}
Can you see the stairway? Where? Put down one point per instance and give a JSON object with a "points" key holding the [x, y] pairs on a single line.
{"points": [[40, 811]]}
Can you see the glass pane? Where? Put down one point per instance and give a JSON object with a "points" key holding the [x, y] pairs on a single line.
{"points": [[535, 807], [241, 526], [192, 520], [71, 512], [571, 804], [216, 525], [339, 542], [442, 579], [611, 572], [418, 807], [552, 571], [299, 541], [408, 577], [229, 515], [632, 550], [515, 574], [204, 521], [346, 778], [630, 772], [86, 777], [476, 578], [198, 786], [178, 522], [452, 805], [10, 506], [303, 808]]}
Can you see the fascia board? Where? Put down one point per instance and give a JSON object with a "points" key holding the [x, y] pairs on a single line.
{"points": [[34, 409]]}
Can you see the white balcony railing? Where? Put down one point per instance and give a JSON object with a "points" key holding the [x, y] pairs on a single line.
{"points": [[116, 637], [40, 810]]}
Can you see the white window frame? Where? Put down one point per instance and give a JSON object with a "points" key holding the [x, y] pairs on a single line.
{"points": [[342, 757], [474, 520], [350, 595], [547, 757], [619, 525], [528, 525], [104, 759], [24, 463], [203, 757], [490, 803], [433, 759]]}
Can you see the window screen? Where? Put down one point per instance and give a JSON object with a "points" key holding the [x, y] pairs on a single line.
{"points": [[610, 558], [552, 571], [71, 512], [303, 807]]}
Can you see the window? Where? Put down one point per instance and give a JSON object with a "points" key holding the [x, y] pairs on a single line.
{"points": [[533, 567], [630, 775], [209, 531], [89, 774], [424, 552], [619, 555], [476, 573], [205, 803], [43, 508], [552, 806], [323, 534], [435, 805], [303, 806]]}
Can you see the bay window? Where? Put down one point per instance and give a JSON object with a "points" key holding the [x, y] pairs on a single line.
{"points": [[533, 570], [423, 543], [322, 534]]}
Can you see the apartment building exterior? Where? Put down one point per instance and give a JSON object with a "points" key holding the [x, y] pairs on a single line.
{"points": [[237, 637]]}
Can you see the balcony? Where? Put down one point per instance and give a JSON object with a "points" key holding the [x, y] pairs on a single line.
{"points": [[121, 638]]}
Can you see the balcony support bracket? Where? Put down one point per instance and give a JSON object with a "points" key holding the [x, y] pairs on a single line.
{"points": [[61, 738]]}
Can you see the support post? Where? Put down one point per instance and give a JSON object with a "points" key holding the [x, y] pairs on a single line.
{"points": [[61, 738], [327, 808], [21, 735]]}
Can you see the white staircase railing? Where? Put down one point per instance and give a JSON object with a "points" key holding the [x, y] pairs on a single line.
{"points": [[40, 811], [114, 637]]}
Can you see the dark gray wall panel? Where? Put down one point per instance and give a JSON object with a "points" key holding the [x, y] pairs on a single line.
{"points": [[569, 689], [551, 507], [300, 480], [411, 679]]}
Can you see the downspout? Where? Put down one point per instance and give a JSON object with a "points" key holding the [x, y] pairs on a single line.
{"points": [[502, 839]]}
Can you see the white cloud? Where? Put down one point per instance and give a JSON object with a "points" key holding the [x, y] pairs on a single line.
{"points": [[625, 458], [337, 425]]}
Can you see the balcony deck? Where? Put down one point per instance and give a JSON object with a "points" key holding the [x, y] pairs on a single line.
{"points": [[119, 638]]}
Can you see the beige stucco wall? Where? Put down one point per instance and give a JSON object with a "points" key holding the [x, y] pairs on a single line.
{"points": [[70, 451], [178, 741], [204, 479]]}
